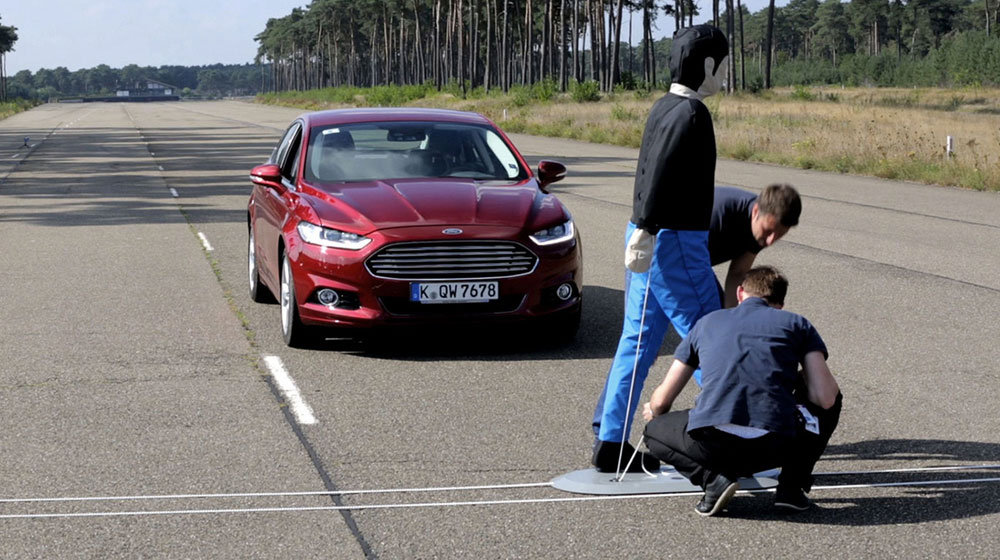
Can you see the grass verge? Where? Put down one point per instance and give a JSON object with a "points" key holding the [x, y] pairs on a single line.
{"points": [[890, 133]]}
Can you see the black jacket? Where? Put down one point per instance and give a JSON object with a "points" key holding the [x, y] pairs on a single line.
{"points": [[675, 178]]}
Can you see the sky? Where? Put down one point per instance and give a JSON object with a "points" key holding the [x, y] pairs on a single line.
{"points": [[85, 33]]}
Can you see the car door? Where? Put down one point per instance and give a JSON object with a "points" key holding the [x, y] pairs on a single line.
{"points": [[273, 204]]}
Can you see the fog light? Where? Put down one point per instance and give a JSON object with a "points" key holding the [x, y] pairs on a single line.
{"points": [[328, 297], [564, 292]]}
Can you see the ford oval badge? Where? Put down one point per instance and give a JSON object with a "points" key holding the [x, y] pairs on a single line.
{"points": [[451, 231]]}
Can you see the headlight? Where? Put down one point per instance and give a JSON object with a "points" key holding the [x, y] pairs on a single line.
{"points": [[326, 237], [555, 234]]}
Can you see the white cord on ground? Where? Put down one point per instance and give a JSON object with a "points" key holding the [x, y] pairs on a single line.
{"points": [[467, 503]]}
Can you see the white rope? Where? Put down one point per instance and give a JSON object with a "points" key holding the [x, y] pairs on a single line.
{"points": [[635, 366], [641, 463], [469, 503], [912, 469], [424, 489], [275, 494]]}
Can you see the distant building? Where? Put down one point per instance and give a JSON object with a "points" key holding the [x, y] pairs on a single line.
{"points": [[148, 88]]}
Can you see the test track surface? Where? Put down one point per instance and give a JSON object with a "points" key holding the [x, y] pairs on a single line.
{"points": [[153, 379]]}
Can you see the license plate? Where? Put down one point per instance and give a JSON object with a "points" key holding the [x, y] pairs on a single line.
{"points": [[454, 292]]}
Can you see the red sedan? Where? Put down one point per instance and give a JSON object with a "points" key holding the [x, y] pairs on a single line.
{"points": [[377, 217]]}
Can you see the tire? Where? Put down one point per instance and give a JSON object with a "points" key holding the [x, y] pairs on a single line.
{"points": [[561, 330], [259, 293], [293, 331]]}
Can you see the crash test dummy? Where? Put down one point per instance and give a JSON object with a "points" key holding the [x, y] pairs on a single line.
{"points": [[670, 272]]}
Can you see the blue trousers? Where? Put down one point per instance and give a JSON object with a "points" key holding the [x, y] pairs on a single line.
{"points": [[682, 289]]}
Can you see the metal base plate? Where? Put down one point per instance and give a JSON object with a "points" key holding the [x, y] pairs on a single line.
{"points": [[667, 481]]}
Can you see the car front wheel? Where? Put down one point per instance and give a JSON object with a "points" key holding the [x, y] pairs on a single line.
{"points": [[294, 332]]}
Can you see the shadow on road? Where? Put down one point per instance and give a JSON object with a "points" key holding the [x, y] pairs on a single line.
{"points": [[939, 496], [600, 327], [106, 177]]}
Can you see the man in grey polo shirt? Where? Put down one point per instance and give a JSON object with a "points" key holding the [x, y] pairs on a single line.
{"points": [[756, 410]]}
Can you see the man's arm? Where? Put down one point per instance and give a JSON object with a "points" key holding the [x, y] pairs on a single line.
{"points": [[664, 395], [821, 387], [738, 268]]}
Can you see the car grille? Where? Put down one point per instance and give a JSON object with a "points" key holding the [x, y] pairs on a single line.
{"points": [[452, 260]]}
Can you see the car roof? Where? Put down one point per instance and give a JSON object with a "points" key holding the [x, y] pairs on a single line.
{"points": [[348, 116]]}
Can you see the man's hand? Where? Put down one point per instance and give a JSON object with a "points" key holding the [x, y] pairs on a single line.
{"points": [[639, 250], [647, 412]]}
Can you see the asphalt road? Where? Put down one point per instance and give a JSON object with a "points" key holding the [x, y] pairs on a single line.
{"points": [[132, 369]]}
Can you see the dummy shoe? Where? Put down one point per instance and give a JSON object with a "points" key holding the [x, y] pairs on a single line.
{"points": [[607, 454], [639, 250]]}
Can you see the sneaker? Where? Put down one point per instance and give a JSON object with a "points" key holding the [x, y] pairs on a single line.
{"points": [[792, 499], [607, 453], [717, 495]]}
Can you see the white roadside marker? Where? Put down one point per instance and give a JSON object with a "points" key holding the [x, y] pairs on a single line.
{"points": [[204, 241], [300, 409]]}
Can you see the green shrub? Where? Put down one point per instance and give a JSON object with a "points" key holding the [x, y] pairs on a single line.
{"points": [[544, 90], [519, 95], [587, 91], [629, 81], [802, 93], [620, 113]]}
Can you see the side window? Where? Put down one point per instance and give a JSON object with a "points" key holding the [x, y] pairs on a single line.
{"points": [[290, 169], [278, 156], [507, 160]]}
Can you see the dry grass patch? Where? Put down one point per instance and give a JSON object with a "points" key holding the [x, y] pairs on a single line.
{"points": [[891, 133], [867, 138]]}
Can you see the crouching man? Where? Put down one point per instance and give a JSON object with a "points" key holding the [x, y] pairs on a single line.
{"points": [[757, 410]]}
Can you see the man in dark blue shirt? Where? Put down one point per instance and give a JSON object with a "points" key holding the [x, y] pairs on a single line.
{"points": [[756, 410], [742, 224]]}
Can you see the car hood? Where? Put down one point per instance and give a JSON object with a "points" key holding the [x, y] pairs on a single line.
{"points": [[404, 203]]}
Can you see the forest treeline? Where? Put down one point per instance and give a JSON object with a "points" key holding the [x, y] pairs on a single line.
{"points": [[498, 43], [495, 44]]}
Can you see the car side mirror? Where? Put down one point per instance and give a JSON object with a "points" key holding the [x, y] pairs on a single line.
{"points": [[267, 175], [550, 172]]}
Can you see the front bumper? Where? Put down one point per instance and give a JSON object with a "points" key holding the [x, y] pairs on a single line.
{"points": [[367, 301]]}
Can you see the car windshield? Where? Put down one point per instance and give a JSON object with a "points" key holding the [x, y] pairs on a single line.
{"points": [[400, 150]]}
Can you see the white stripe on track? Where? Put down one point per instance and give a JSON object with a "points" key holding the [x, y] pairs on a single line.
{"points": [[204, 241], [300, 409]]}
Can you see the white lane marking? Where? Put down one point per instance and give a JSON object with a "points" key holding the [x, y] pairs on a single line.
{"points": [[300, 409], [465, 503], [204, 241], [173, 191]]}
